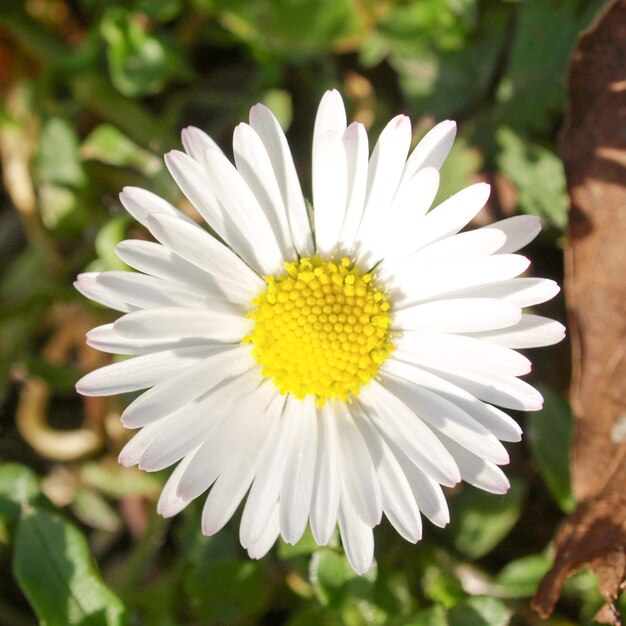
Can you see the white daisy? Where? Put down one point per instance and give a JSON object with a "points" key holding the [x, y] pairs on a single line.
{"points": [[332, 371]]}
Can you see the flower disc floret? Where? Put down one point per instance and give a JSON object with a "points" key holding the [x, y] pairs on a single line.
{"points": [[321, 328]]}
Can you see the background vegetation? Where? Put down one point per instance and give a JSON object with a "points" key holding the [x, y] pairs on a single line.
{"points": [[94, 91]]}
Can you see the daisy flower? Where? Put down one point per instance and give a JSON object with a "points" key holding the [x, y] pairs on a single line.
{"points": [[325, 366]]}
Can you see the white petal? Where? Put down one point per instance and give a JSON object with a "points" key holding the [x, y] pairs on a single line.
{"points": [[262, 545], [432, 150], [440, 350], [270, 475], [160, 261], [169, 503], [178, 390], [461, 315], [384, 172], [396, 233], [270, 132], [327, 486], [400, 426], [134, 449], [398, 501], [427, 492], [499, 423], [171, 322], [237, 475], [297, 488], [521, 292], [356, 536], [255, 167], [357, 470], [477, 471], [193, 423], [140, 372], [87, 284], [329, 191], [532, 331], [447, 418], [505, 391], [458, 249], [107, 339], [331, 116], [451, 279], [141, 203], [203, 251], [227, 440], [196, 141], [356, 146], [248, 232], [452, 215], [520, 230], [191, 177], [144, 292]]}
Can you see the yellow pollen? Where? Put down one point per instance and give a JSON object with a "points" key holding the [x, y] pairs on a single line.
{"points": [[321, 329]]}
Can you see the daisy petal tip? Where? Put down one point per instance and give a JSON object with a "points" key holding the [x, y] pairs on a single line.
{"points": [[174, 159], [87, 386], [81, 387], [361, 566], [208, 530], [483, 189], [125, 193], [441, 521], [501, 488], [259, 111], [126, 422], [126, 459], [189, 131], [169, 509], [449, 127]]}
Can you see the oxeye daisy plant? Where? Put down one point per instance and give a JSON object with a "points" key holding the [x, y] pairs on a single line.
{"points": [[330, 366]]}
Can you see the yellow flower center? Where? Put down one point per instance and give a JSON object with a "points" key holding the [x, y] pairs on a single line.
{"points": [[321, 328]]}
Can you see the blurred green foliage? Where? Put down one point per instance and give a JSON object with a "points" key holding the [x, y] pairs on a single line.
{"points": [[94, 91]]}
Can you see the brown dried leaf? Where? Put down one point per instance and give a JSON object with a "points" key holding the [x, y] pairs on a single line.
{"points": [[594, 151]]}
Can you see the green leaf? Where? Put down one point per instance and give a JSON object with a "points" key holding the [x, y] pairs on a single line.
{"points": [[140, 63], [92, 509], [479, 611], [481, 520], [61, 209], [19, 486], [520, 578], [159, 10], [54, 569], [291, 27], [116, 481], [554, 424], [544, 37], [448, 76], [108, 144], [335, 583], [537, 174], [226, 590], [433, 616], [440, 584], [107, 238], [394, 591], [329, 574], [315, 616], [57, 159]]}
